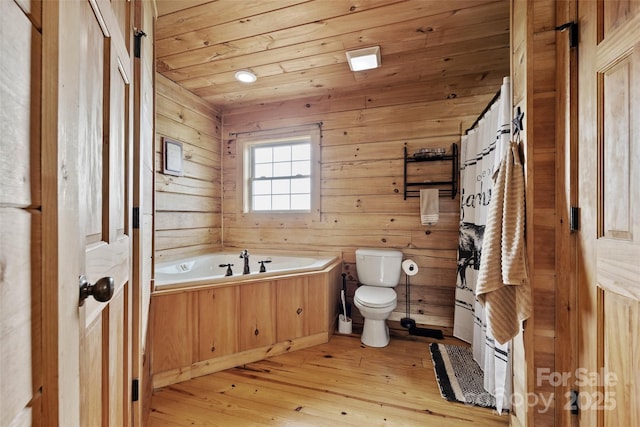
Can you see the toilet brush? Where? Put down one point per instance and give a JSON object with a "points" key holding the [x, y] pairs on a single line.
{"points": [[344, 306], [344, 323]]}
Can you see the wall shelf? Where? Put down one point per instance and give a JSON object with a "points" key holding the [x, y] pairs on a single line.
{"points": [[412, 189]]}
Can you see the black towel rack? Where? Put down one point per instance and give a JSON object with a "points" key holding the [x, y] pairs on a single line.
{"points": [[411, 188]]}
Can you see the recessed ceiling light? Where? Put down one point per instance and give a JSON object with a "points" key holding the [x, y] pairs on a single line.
{"points": [[246, 76], [364, 59]]}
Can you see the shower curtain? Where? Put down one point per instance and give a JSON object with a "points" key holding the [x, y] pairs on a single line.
{"points": [[481, 151]]}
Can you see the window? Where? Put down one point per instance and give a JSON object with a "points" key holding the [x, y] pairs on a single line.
{"points": [[280, 171], [280, 178]]}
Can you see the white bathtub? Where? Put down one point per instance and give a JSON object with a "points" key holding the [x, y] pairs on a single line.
{"points": [[205, 269]]}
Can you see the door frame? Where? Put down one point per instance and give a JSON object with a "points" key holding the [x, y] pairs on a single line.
{"points": [[567, 127], [49, 182]]}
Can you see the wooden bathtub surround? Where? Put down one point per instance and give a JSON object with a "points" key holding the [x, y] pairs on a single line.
{"points": [[197, 331]]}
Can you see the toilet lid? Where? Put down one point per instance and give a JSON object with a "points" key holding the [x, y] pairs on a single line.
{"points": [[372, 296]]}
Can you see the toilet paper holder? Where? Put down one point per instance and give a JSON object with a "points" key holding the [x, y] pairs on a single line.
{"points": [[409, 267]]}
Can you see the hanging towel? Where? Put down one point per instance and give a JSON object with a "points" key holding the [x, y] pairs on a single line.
{"points": [[429, 206], [503, 287]]}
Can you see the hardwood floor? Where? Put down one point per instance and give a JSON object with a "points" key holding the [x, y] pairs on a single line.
{"points": [[341, 382]]}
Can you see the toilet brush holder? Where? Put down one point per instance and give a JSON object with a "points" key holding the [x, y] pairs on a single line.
{"points": [[345, 326]]}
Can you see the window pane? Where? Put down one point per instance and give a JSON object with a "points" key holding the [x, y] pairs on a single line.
{"points": [[300, 202], [262, 203], [264, 171], [282, 153], [281, 203], [301, 185], [301, 152], [282, 169], [263, 155], [281, 186], [301, 168], [261, 187]]}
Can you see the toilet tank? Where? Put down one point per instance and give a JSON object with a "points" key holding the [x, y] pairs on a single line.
{"points": [[379, 267]]}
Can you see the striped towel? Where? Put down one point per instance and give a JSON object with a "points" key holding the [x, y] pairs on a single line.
{"points": [[503, 287]]}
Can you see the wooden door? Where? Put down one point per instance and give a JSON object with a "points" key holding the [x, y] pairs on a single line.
{"points": [[94, 193], [608, 374]]}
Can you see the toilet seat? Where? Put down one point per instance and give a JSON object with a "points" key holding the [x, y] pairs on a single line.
{"points": [[375, 297]]}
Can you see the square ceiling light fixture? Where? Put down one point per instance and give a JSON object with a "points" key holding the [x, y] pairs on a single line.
{"points": [[364, 59]]}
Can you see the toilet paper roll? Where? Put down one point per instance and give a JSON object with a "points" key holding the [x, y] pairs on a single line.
{"points": [[409, 267]]}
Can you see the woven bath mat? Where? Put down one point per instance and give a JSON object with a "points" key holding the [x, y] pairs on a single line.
{"points": [[459, 376]]}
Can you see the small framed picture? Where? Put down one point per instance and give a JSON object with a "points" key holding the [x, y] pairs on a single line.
{"points": [[172, 157]]}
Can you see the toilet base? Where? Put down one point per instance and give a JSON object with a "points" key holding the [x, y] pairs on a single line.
{"points": [[375, 333]]}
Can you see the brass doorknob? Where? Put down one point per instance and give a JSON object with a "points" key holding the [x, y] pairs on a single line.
{"points": [[102, 291]]}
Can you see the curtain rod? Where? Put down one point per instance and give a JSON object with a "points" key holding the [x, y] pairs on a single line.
{"points": [[319, 124], [493, 100]]}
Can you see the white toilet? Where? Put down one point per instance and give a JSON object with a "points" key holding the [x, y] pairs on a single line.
{"points": [[378, 272]]}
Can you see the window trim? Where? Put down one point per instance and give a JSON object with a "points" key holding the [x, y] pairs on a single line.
{"points": [[245, 141]]}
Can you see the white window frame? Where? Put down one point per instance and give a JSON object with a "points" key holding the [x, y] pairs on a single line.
{"points": [[247, 141]]}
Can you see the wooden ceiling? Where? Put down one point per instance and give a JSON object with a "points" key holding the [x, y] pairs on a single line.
{"points": [[297, 47]]}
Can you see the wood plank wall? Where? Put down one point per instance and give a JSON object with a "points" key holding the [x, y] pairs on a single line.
{"points": [[534, 91], [362, 203], [20, 219], [188, 219]]}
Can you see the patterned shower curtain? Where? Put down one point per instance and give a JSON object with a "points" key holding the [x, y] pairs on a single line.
{"points": [[481, 151]]}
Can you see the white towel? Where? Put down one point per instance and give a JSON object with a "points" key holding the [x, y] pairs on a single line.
{"points": [[503, 287], [429, 206]]}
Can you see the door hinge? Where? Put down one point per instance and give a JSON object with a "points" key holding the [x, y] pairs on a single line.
{"points": [[574, 218], [573, 32], [137, 34], [136, 217], [135, 392], [574, 403]]}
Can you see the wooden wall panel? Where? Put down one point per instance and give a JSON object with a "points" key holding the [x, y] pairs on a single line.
{"points": [[362, 203], [188, 217], [15, 314], [15, 103], [534, 71], [21, 354]]}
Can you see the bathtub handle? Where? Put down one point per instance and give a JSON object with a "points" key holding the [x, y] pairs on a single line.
{"points": [[229, 271], [263, 269]]}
